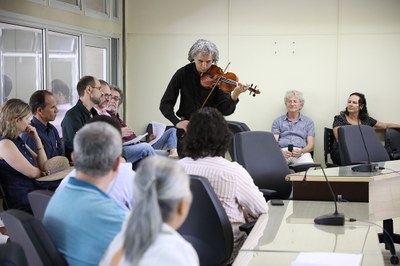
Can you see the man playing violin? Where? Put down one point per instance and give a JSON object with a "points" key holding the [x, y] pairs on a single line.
{"points": [[193, 96]]}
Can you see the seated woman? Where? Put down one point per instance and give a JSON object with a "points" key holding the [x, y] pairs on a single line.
{"points": [[206, 141], [19, 165], [162, 201], [356, 113]]}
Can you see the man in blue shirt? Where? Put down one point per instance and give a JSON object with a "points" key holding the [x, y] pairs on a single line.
{"points": [[93, 218], [294, 132], [44, 108]]}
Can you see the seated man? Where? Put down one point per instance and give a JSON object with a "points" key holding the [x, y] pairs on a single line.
{"points": [[167, 141], [44, 110], [93, 218], [294, 132]]}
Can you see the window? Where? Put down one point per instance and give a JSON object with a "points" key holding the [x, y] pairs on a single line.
{"points": [[21, 61]]}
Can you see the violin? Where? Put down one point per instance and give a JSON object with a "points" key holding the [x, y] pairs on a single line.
{"points": [[226, 82]]}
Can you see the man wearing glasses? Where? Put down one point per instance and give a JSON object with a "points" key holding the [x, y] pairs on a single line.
{"points": [[89, 91], [133, 153]]}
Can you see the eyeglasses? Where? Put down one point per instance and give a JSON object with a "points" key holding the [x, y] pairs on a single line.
{"points": [[99, 88], [107, 96], [115, 98]]}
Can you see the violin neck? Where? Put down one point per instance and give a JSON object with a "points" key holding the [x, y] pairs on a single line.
{"points": [[228, 81]]}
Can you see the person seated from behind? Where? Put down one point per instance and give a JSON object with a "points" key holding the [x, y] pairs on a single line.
{"points": [[19, 165], [294, 132], [206, 141], [44, 108], [93, 219], [121, 188], [149, 237], [167, 141], [356, 113]]}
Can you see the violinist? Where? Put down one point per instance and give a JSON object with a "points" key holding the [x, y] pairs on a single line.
{"points": [[186, 83]]}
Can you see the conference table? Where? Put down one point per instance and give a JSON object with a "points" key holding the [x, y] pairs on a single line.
{"points": [[380, 189], [279, 236]]}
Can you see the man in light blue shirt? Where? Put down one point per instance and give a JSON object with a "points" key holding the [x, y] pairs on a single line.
{"points": [[294, 132], [81, 218]]}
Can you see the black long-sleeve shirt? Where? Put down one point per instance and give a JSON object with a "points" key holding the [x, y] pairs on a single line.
{"points": [[186, 82]]}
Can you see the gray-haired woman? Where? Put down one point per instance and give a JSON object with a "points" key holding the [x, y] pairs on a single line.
{"points": [[162, 202]]}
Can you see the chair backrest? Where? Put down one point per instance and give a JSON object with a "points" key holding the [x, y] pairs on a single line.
{"points": [[236, 127], [207, 226], [392, 143], [12, 254], [258, 152], [30, 233], [329, 139], [352, 149], [38, 199]]}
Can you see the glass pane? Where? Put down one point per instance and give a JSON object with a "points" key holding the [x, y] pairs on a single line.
{"points": [[71, 2], [97, 5], [21, 62], [63, 62], [96, 62], [116, 8]]}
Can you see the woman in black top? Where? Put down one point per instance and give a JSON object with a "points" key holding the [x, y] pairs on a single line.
{"points": [[355, 113]]}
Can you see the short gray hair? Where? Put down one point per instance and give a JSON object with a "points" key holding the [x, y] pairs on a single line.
{"points": [[294, 93], [97, 146], [204, 47], [160, 184]]}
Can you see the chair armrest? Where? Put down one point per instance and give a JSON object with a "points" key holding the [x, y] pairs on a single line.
{"points": [[267, 192], [247, 227]]}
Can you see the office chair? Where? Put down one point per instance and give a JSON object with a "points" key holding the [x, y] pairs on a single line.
{"points": [[236, 127], [329, 139], [392, 143], [351, 145], [207, 226], [30, 233], [259, 153], [352, 151], [38, 199], [12, 254]]}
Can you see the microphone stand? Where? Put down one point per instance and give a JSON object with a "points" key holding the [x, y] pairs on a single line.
{"points": [[335, 218], [368, 167]]}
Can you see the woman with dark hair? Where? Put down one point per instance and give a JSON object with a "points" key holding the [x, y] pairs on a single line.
{"points": [[356, 113], [19, 165], [206, 141]]}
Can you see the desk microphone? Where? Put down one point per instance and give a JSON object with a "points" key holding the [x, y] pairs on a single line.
{"points": [[335, 218], [368, 167]]}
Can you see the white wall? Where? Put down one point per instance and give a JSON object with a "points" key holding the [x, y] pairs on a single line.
{"points": [[325, 48]]}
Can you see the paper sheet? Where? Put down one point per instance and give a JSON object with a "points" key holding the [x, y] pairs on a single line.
{"points": [[135, 140], [158, 131], [327, 259]]}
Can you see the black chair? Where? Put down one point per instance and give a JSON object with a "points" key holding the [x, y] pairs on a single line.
{"points": [[236, 127], [30, 233], [207, 226], [392, 143], [259, 153], [352, 149], [38, 199], [12, 254], [329, 139]]}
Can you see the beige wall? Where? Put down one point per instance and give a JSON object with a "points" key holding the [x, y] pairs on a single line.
{"points": [[325, 48]]}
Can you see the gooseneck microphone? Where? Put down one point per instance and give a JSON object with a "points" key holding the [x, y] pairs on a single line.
{"points": [[368, 167], [335, 218]]}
